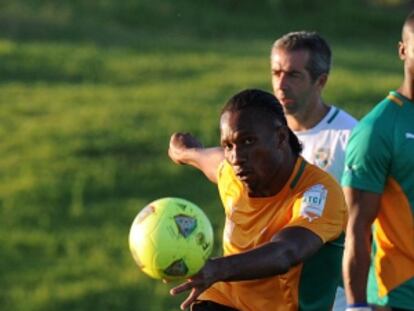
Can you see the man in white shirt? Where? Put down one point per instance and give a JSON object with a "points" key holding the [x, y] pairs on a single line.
{"points": [[300, 65], [324, 144]]}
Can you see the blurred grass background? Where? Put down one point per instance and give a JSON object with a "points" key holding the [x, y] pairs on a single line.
{"points": [[92, 90]]}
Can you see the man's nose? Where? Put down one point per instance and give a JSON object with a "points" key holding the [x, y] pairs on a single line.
{"points": [[281, 82]]}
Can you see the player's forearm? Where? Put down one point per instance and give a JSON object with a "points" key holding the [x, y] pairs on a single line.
{"points": [[356, 264], [265, 261], [363, 208], [286, 249], [206, 160], [193, 157]]}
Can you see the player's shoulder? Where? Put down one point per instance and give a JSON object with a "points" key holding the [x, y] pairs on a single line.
{"points": [[342, 114], [375, 131], [340, 119], [387, 108], [224, 170], [383, 115], [313, 175], [397, 100]]}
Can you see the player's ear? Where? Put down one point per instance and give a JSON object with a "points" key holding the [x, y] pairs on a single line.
{"points": [[283, 135], [321, 80], [401, 50]]}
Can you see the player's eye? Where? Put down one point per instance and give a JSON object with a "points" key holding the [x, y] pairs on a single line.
{"points": [[294, 75], [248, 141], [227, 146], [276, 73]]}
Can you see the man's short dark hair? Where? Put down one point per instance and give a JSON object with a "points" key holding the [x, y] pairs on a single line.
{"points": [[267, 102], [320, 54]]}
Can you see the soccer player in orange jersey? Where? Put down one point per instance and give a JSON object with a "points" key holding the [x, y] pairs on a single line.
{"points": [[281, 215]]}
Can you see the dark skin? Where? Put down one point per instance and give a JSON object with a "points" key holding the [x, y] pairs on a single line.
{"points": [[259, 152], [363, 208], [261, 157]]}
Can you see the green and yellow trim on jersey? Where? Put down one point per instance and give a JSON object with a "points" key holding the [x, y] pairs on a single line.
{"points": [[395, 98]]}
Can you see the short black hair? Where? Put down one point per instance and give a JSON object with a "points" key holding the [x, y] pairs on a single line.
{"points": [[320, 54], [267, 102]]}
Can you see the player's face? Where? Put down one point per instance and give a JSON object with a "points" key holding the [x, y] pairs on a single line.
{"points": [[407, 50], [255, 150], [291, 81]]}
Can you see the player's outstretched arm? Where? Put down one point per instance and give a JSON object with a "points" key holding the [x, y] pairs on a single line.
{"points": [[288, 248], [363, 207], [184, 148]]}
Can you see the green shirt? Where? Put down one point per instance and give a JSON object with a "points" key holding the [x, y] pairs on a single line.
{"points": [[380, 159]]}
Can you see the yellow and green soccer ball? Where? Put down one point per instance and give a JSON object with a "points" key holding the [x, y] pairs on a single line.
{"points": [[171, 238]]}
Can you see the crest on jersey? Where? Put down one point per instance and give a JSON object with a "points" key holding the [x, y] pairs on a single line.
{"points": [[322, 157], [313, 202]]}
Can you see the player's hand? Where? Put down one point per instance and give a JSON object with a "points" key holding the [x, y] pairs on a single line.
{"points": [[196, 284], [180, 144]]}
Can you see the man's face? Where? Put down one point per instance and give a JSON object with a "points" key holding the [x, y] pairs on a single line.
{"points": [[291, 81], [254, 149], [407, 50]]}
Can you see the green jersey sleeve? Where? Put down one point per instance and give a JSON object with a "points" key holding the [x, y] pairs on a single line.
{"points": [[369, 150]]}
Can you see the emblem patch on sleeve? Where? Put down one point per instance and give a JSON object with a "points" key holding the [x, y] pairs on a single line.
{"points": [[313, 202]]}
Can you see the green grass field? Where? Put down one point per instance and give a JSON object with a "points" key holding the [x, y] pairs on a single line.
{"points": [[90, 93]]}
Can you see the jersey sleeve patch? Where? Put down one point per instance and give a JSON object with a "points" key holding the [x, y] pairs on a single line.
{"points": [[313, 202]]}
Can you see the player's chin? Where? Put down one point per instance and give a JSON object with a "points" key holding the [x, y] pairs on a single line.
{"points": [[251, 184], [246, 178], [290, 108]]}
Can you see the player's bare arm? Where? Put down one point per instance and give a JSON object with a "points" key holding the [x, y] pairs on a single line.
{"points": [[363, 207], [184, 148], [286, 249]]}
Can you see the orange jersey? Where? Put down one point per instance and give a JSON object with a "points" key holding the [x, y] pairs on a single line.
{"points": [[311, 199]]}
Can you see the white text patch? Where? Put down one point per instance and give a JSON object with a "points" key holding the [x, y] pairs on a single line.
{"points": [[313, 202]]}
